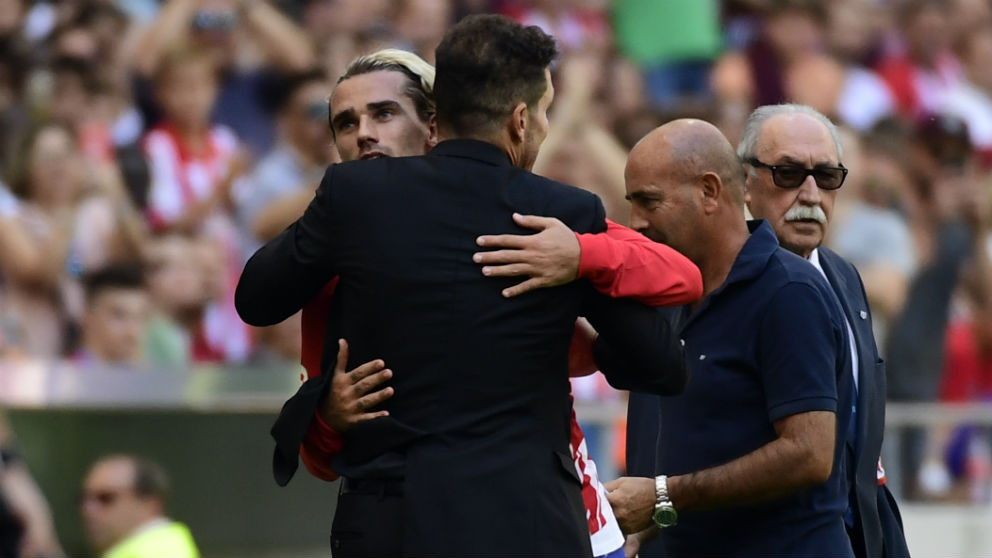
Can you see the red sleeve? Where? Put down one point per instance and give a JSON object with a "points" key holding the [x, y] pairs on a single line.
{"points": [[624, 263], [961, 366], [314, 325], [320, 445], [321, 442]]}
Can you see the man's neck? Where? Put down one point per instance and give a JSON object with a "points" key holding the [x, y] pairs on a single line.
{"points": [[500, 141], [716, 264]]}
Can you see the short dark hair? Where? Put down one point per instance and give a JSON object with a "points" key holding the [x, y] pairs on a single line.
{"points": [[123, 275], [486, 64], [150, 480], [79, 68], [290, 84]]}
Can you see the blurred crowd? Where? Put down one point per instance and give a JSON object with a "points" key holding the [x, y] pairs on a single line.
{"points": [[147, 147]]}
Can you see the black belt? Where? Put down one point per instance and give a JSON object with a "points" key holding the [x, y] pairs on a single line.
{"points": [[381, 487]]}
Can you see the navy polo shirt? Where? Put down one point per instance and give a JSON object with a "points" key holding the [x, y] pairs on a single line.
{"points": [[769, 343]]}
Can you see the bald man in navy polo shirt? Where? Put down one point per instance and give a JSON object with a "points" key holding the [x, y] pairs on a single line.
{"points": [[751, 453]]}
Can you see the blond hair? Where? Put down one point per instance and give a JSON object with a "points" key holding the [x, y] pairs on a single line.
{"points": [[419, 72]]}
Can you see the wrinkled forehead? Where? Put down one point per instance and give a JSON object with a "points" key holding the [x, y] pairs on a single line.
{"points": [[113, 474], [795, 138]]}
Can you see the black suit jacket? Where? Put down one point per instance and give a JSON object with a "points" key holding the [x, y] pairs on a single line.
{"points": [[479, 424], [878, 525]]}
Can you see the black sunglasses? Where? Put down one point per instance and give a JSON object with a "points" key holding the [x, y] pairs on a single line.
{"points": [[792, 176], [102, 497]]}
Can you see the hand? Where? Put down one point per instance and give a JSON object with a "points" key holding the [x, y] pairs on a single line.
{"points": [[351, 395], [550, 257], [29, 507], [631, 546], [634, 542], [632, 499]]}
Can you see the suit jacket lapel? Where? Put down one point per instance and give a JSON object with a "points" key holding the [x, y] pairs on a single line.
{"points": [[842, 288]]}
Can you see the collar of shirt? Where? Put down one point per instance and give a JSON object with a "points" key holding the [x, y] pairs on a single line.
{"points": [[471, 149], [814, 258], [749, 264]]}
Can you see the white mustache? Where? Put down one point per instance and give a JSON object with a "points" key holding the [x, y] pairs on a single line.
{"points": [[804, 212]]}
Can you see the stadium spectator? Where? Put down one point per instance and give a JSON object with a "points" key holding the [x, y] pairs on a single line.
{"points": [[123, 510], [948, 193], [281, 185], [673, 43], [75, 220], [924, 68], [228, 32], [194, 165], [116, 315]]}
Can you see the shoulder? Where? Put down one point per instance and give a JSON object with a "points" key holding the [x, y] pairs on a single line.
{"points": [[836, 262], [581, 210], [790, 268], [796, 280]]}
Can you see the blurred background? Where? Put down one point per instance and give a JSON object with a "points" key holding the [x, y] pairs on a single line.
{"points": [[147, 147]]}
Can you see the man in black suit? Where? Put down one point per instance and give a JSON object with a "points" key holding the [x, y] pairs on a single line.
{"points": [[473, 458], [779, 191]]}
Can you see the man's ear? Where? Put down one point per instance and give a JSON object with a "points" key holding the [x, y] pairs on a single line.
{"points": [[432, 131], [711, 188], [518, 122]]}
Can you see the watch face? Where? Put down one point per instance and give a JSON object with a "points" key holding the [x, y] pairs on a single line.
{"points": [[665, 516]]}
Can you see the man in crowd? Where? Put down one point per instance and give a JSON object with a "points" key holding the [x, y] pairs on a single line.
{"points": [[282, 183], [407, 87], [116, 315], [123, 508], [476, 403], [752, 452], [793, 154]]}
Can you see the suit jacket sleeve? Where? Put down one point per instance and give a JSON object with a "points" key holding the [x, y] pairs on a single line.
{"points": [[290, 269], [638, 347]]}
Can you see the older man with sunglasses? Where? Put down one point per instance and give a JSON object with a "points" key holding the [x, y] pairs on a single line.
{"points": [[783, 146]]}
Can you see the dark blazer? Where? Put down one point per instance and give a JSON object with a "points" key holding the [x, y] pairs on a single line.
{"points": [[878, 525], [479, 423]]}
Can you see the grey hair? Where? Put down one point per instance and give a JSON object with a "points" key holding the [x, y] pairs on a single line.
{"points": [[752, 128]]}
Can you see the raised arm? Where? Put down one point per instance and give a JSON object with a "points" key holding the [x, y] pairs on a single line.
{"points": [[619, 263], [290, 269]]}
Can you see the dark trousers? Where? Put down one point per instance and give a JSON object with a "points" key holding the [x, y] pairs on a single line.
{"points": [[368, 521]]}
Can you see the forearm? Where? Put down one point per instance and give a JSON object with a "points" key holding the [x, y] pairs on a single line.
{"points": [[622, 263], [20, 257], [280, 214], [610, 158], [638, 347], [169, 27], [779, 468], [285, 44], [319, 446]]}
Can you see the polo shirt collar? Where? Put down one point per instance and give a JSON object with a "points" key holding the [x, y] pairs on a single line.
{"points": [[472, 149], [749, 264], [753, 257]]}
